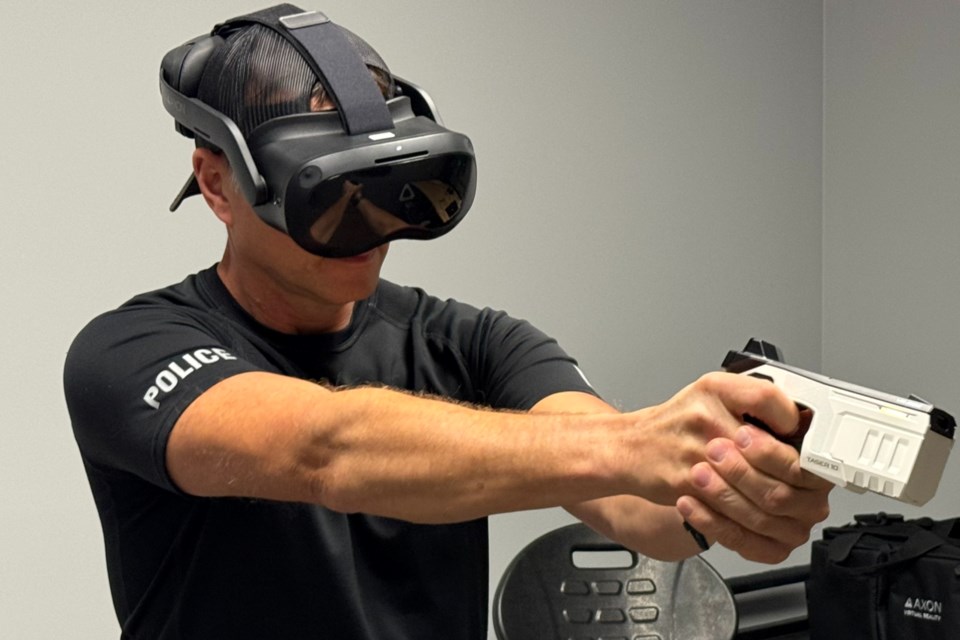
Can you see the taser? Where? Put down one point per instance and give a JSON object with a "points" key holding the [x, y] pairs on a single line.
{"points": [[859, 438]]}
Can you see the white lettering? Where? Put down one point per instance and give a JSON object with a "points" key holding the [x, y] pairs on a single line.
{"points": [[181, 373], [170, 376], [150, 397], [166, 381], [930, 606], [205, 356], [923, 609]]}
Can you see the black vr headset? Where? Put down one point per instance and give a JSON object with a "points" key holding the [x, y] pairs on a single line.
{"points": [[339, 183]]}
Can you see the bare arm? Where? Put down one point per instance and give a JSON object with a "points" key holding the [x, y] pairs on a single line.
{"points": [[652, 529], [394, 454], [384, 452]]}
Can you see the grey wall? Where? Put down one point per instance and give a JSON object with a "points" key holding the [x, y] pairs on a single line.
{"points": [[651, 194], [891, 202]]}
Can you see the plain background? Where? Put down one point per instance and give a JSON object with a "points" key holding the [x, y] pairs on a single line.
{"points": [[660, 180]]}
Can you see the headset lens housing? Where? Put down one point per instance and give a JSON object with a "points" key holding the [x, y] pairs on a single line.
{"points": [[339, 195], [353, 212]]}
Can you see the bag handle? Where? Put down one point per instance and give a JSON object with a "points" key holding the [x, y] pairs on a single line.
{"points": [[917, 544]]}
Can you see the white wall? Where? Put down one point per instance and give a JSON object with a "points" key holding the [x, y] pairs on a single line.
{"points": [[650, 193], [891, 204]]}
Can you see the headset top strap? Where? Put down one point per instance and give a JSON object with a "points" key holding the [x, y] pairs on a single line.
{"points": [[331, 56]]}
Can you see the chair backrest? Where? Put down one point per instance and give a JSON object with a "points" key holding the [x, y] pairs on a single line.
{"points": [[547, 593]]}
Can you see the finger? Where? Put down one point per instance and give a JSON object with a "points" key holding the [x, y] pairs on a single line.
{"points": [[714, 526], [722, 497], [768, 493], [776, 459], [757, 399]]}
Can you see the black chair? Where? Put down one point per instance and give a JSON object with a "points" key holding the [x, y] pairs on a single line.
{"points": [[561, 587]]}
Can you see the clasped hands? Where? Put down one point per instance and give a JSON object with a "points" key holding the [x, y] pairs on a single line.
{"points": [[739, 485]]}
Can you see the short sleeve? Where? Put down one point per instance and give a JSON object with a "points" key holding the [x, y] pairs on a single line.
{"points": [[519, 365], [130, 374]]}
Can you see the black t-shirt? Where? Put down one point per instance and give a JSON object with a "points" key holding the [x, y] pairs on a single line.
{"points": [[199, 568]]}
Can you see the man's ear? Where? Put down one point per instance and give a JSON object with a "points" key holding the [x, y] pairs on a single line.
{"points": [[216, 184]]}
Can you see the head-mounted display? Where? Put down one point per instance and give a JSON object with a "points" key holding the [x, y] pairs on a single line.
{"points": [[338, 182]]}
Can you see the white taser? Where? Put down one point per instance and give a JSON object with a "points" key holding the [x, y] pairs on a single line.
{"points": [[858, 438]]}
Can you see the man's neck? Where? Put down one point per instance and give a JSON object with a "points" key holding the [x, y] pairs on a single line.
{"points": [[282, 306]]}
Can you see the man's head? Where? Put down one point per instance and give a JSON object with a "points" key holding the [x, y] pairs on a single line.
{"points": [[253, 88]]}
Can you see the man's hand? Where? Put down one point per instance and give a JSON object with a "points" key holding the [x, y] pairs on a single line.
{"points": [[752, 497], [735, 483], [677, 431]]}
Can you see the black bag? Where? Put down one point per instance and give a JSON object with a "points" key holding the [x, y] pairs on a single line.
{"points": [[886, 578]]}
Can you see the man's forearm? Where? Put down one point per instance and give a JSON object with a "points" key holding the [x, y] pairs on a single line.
{"points": [[429, 460], [391, 453]]}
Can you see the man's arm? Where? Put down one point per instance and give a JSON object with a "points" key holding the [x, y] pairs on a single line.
{"points": [[385, 452], [394, 454], [652, 529], [781, 512]]}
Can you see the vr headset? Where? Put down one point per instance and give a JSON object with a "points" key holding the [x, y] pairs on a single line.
{"points": [[338, 182]]}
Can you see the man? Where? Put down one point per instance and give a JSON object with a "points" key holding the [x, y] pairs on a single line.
{"points": [[286, 446]]}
